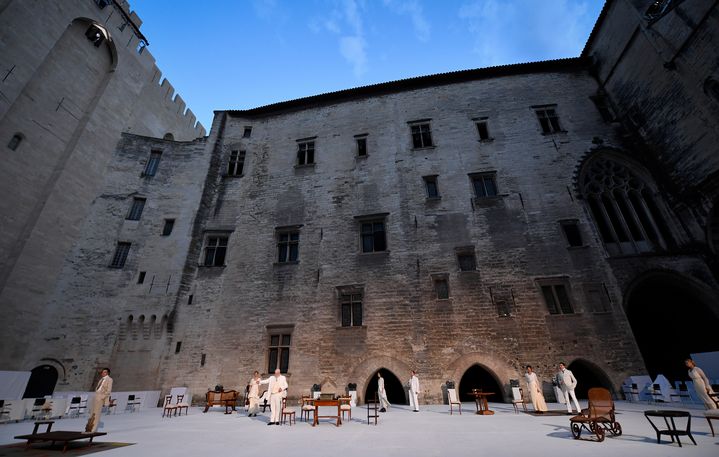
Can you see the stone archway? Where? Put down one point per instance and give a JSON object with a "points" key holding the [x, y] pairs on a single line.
{"points": [[589, 375], [479, 377], [492, 363], [365, 372], [396, 393], [42, 382], [671, 316]]}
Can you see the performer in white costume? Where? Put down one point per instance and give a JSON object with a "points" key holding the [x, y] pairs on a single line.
{"points": [[414, 392], [567, 382], [383, 402], [278, 390], [701, 384], [535, 391], [254, 395], [102, 398]]}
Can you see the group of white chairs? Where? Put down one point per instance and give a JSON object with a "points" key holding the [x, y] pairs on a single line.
{"points": [[658, 390]]}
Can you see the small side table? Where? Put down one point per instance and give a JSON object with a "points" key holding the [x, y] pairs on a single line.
{"points": [[671, 430], [39, 423]]}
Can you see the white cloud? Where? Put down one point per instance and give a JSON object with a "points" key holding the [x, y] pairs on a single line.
{"points": [[413, 9], [345, 21], [509, 32]]}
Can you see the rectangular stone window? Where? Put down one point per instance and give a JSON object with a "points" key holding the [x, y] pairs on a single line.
{"points": [[466, 258], [288, 246], [203, 358], [247, 132], [215, 250], [571, 231], [482, 125], [361, 142], [421, 134], [152, 164], [372, 235], [178, 346], [278, 355], [167, 228], [141, 277], [556, 296], [484, 184], [305, 153], [135, 212], [441, 286], [351, 309], [548, 118], [120, 256], [430, 185], [236, 164]]}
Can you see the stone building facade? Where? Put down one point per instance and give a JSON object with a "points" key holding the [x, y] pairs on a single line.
{"points": [[463, 224], [74, 75]]}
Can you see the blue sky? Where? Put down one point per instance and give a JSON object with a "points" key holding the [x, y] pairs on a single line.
{"points": [[236, 54]]}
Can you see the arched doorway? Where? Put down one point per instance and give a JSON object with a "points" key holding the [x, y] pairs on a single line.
{"points": [[395, 390], [42, 382], [670, 319], [588, 375], [478, 377]]}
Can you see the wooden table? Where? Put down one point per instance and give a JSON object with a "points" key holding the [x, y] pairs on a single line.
{"points": [[59, 436], [480, 399], [317, 403], [669, 415]]}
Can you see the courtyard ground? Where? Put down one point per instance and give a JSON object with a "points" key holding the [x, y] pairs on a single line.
{"points": [[431, 432]]}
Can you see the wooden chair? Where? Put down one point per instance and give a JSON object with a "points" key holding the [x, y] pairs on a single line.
{"points": [[372, 409], [453, 400], [346, 407], [518, 399], [181, 403], [308, 407], [598, 418], [289, 413], [169, 408]]}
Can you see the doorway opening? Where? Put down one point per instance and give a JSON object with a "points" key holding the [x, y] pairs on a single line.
{"points": [[396, 394], [478, 377], [42, 382]]}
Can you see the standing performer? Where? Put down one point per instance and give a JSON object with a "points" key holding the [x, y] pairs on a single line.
{"points": [[535, 391], [414, 392], [278, 391], [567, 382], [254, 395], [701, 384], [383, 402], [102, 396]]}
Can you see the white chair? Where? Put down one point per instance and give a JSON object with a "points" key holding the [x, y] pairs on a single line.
{"points": [[59, 405], [132, 403], [12, 410], [518, 399], [75, 406], [453, 400]]}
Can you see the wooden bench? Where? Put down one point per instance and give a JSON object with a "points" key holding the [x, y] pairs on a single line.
{"points": [[226, 398], [64, 437]]}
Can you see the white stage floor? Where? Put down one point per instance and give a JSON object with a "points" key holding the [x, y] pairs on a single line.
{"points": [[401, 432]]}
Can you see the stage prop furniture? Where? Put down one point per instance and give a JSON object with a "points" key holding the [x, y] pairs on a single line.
{"points": [[307, 408], [168, 409], [518, 399], [226, 398], [599, 418], [327, 402], [182, 404], [671, 430], [346, 407], [453, 401], [287, 413], [64, 437], [372, 409], [480, 399]]}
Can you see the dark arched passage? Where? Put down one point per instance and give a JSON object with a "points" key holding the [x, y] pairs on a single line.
{"points": [[42, 382], [396, 394], [670, 319], [588, 375], [478, 377]]}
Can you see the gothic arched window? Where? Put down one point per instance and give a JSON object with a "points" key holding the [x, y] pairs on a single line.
{"points": [[623, 203]]}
